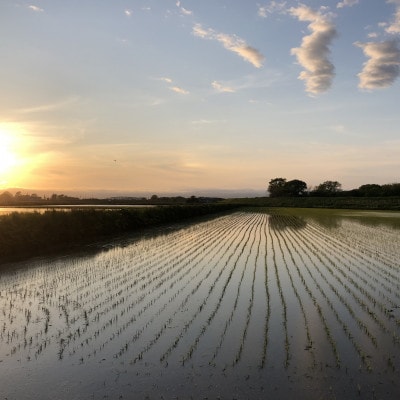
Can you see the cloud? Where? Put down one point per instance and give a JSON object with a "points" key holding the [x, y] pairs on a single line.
{"points": [[35, 8], [232, 43], [272, 7], [394, 27], [183, 10], [168, 80], [179, 90], [314, 51], [221, 88], [347, 3], [383, 66], [128, 13]]}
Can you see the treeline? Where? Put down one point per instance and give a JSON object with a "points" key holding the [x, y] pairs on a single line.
{"points": [[25, 234], [21, 199], [281, 187]]}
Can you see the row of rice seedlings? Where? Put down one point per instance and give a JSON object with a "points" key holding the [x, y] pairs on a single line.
{"points": [[238, 290], [360, 324], [363, 264], [44, 298], [334, 267], [371, 247], [216, 307], [388, 282], [145, 296], [282, 298], [229, 319], [309, 345], [268, 306], [153, 301], [237, 249], [299, 247], [384, 244], [251, 300], [385, 308], [214, 251], [221, 297]]}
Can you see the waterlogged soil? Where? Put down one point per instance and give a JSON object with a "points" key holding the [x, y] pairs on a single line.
{"points": [[246, 306]]}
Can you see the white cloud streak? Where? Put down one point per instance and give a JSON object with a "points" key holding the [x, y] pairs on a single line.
{"points": [[394, 27], [347, 3], [179, 90], [232, 43], [183, 10], [219, 87], [272, 7], [383, 66], [35, 8], [313, 53]]}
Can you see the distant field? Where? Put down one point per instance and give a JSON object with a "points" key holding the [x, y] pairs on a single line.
{"points": [[281, 304]]}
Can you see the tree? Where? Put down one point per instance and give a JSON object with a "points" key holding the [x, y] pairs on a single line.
{"points": [[295, 188], [6, 198], [370, 190], [279, 187], [276, 187], [328, 188]]}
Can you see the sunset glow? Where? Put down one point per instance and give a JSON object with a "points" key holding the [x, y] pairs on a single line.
{"points": [[167, 96]]}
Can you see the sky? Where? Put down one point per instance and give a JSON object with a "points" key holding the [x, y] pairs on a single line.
{"points": [[175, 96]]}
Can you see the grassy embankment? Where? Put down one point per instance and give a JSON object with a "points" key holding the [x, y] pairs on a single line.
{"points": [[358, 203], [28, 234]]}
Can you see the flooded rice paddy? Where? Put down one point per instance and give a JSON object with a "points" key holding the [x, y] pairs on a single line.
{"points": [[244, 306]]}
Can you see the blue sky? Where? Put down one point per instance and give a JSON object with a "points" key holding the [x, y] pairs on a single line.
{"points": [[171, 96]]}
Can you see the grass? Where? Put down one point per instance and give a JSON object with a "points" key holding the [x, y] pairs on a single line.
{"points": [[359, 203], [29, 234]]}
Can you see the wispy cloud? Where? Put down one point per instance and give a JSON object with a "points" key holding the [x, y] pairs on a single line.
{"points": [[270, 8], [219, 87], [347, 3], [165, 79], [313, 53], [179, 90], [232, 43], [35, 8], [383, 66], [128, 13], [183, 10], [51, 106], [394, 27]]}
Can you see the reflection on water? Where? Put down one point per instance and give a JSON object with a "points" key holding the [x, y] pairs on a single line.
{"points": [[41, 210], [247, 305], [282, 222]]}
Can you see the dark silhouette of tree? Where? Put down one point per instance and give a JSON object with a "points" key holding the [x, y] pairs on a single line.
{"points": [[370, 190], [295, 188], [276, 187], [327, 188], [6, 198], [279, 187]]}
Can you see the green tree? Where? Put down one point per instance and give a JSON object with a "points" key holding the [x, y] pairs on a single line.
{"points": [[276, 187]]}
